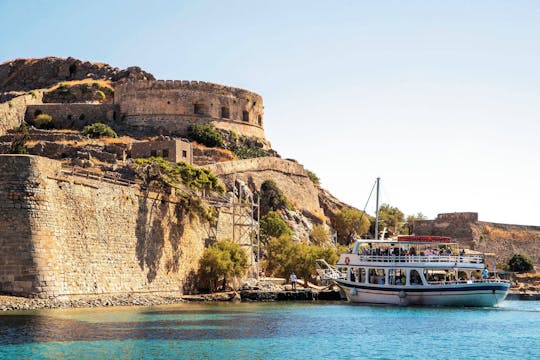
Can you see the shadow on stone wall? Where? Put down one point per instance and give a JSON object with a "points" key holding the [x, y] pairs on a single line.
{"points": [[156, 223]]}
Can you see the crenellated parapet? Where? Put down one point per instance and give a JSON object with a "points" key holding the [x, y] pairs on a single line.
{"points": [[173, 105]]}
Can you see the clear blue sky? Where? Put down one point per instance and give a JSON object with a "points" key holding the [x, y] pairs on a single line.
{"points": [[439, 98]]}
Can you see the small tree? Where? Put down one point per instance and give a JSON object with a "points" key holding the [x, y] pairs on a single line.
{"points": [[285, 256], [350, 222], [221, 262], [272, 225], [390, 217], [98, 129], [520, 263], [319, 235]]}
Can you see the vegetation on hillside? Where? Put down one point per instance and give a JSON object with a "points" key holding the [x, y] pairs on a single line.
{"points": [[391, 218], [520, 263], [319, 235], [272, 225], [313, 177], [20, 137], [220, 263], [43, 121], [159, 173], [205, 134], [285, 256], [350, 223], [98, 129], [272, 198]]}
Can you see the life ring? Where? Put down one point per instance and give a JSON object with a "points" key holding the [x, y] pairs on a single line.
{"points": [[402, 294], [347, 260], [354, 291]]}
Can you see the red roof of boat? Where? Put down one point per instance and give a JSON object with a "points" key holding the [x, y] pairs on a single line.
{"points": [[424, 238]]}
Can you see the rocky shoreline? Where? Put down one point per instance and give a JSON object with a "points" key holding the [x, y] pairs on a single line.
{"points": [[10, 303], [14, 303]]}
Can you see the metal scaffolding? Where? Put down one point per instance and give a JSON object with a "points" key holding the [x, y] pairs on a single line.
{"points": [[245, 229]]}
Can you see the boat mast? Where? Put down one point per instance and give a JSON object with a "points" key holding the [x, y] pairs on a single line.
{"points": [[377, 212]]}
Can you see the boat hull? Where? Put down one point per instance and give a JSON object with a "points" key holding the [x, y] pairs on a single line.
{"points": [[475, 294]]}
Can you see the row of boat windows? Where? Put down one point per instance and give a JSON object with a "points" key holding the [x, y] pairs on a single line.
{"points": [[406, 276]]}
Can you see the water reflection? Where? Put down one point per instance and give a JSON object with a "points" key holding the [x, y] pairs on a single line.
{"points": [[174, 324]]}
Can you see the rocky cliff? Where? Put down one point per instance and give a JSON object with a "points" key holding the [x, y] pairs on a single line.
{"points": [[29, 74], [503, 240]]}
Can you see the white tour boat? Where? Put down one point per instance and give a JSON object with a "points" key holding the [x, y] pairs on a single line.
{"points": [[416, 270], [413, 270]]}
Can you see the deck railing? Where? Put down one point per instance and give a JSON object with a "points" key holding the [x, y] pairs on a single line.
{"points": [[462, 259], [477, 281]]}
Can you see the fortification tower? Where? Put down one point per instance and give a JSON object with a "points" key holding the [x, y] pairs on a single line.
{"points": [[171, 106]]}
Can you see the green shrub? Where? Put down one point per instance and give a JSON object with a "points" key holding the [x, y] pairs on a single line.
{"points": [[243, 151], [205, 134], [43, 121], [313, 177], [272, 225], [33, 93], [21, 136], [10, 104], [98, 130], [520, 263], [221, 262], [158, 172]]}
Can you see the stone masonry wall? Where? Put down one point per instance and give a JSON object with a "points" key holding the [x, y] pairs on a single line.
{"points": [[74, 115], [290, 177], [67, 236], [172, 106], [12, 112]]}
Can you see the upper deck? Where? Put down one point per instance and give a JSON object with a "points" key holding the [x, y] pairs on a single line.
{"points": [[423, 251]]}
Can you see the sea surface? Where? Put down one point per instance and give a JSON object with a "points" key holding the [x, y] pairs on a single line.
{"points": [[319, 330]]}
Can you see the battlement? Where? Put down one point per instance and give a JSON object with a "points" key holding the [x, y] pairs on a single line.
{"points": [[184, 85], [458, 216]]}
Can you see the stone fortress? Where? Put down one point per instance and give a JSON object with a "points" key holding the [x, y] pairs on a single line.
{"points": [[66, 235], [174, 105], [165, 107]]}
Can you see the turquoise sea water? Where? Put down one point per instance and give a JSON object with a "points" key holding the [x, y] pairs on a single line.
{"points": [[274, 331]]}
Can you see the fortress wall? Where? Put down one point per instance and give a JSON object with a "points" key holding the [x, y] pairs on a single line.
{"points": [[74, 115], [12, 112], [18, 268], [76, 236], [290, 177], [174, 105]]}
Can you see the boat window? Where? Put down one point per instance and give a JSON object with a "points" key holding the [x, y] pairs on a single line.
{"points": [[376, 276], [416, 279], [353, 274], [397, 276], [362, 275]]}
